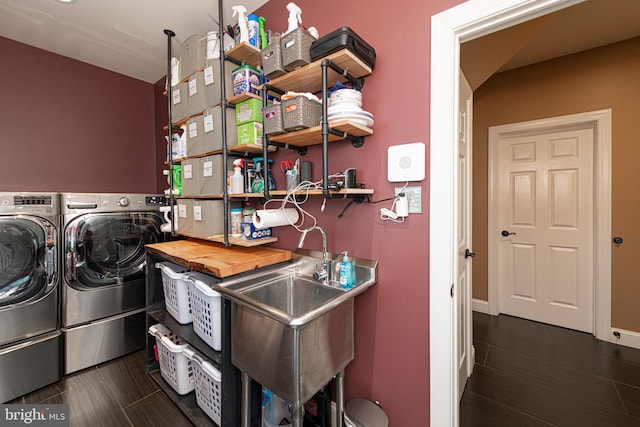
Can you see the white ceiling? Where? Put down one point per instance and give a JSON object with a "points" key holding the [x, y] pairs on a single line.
{"points": [[125, 36]]}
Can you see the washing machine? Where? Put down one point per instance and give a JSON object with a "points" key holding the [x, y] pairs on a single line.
{"points": [[29, 293], [104, 258]]}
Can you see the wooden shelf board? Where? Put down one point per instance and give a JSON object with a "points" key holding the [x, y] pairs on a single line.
{"points": [[246, 54], [313, 136], [344, 192], [236, 99], [250, 148], [308, 78]]}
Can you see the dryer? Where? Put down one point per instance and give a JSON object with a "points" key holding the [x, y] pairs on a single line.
{"points": [[103, 292], [29, 292]]}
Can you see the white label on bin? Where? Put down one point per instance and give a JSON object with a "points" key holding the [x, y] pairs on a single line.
{"points": [[193, 130], [208, 76], [182, 211], [197, 213], [207, 169], [193, 87], [208, 123], [175, 96], [187, 171]]}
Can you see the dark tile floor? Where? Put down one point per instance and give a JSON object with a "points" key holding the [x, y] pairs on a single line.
{"points": [[532, 374], [116, 393]]}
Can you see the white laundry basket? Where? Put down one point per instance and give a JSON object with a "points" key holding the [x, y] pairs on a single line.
{"points": [[175, 367], [176, 291], [206, 309], [208, 386]]}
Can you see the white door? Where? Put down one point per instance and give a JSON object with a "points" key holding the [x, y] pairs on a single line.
{"points": [[546, 226], [465, 254]]}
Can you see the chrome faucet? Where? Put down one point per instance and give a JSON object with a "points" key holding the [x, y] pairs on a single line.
{"points": [[322, 271]]}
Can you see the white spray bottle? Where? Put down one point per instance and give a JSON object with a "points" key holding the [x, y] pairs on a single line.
{"points": [[295, 17], [241, 11]]}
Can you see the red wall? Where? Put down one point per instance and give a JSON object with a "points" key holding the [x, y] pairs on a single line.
{"points": [[70, 126], [392, 318]]}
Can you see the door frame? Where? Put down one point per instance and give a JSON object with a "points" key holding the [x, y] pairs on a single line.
{"points": [[467, 21], [600, 121]]}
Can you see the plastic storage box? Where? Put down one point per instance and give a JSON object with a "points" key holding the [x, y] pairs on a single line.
{"points": [[208, 386], [212, 128], [343, 38], [206, 309], [272, 60], [246, 79], [175, 367], [179, 102], [191, 177], [300, 112], [211, 177], [249, 111], [273, 120], [208, 218], [296, 48], [193, 54], [176, 291], [185, 216]]}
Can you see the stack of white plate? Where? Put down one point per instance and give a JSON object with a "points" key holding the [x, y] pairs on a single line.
{"points": [[346, 104]]}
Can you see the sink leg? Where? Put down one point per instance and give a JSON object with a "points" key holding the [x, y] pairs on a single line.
{"points": [[296, 415], [339, 397], [245, 412]]}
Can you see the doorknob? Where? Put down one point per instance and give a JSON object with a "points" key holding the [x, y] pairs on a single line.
{"points": [[469, 254], [505, 233], [617, 240]]}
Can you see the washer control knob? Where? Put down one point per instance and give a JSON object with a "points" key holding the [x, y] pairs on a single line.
{"points": [[123, 201]]}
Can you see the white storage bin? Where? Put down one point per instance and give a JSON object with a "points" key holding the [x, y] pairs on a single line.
{"points": [[206, 309], [208, 386], [176, 291], [175, 367]]}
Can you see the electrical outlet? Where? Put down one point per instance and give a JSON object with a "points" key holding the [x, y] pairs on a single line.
{"points": [[414, 197]]}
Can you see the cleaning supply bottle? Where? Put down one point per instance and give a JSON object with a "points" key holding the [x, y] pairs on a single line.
{"points": [[254, 30], [241, 11], [347, 272], [295, 17], [237, 179], [263, 34]]}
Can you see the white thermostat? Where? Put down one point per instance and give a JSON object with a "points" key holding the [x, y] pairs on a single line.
{"points": [[406, 162]]}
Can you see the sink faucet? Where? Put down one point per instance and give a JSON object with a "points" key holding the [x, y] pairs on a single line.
{"points": [[321, 273]]}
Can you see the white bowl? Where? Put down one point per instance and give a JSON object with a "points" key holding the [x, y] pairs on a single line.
{"points": [[363, 118]]}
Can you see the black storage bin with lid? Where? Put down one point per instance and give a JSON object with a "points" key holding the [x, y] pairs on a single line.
{"points": [[343, 38]]}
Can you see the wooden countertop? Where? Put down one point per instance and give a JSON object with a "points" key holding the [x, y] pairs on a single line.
{"points": [[217, 259]]}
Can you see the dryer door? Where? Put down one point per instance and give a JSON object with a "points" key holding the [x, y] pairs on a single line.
{"points": [[27, 259], [108, 249]]}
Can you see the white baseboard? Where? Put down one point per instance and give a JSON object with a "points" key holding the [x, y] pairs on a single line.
{"points": [[480, 306], [626, 338]]}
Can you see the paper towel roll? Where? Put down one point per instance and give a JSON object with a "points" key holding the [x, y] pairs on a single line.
{"points": [[275, 217]]}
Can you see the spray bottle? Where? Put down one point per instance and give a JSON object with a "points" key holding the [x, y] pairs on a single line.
{"points": [[241, 11], [237, 179], [295, 17]]}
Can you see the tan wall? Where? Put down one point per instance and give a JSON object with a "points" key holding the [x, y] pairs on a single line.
{"points": [[607, 77]]}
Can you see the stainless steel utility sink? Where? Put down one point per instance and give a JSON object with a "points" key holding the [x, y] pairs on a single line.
{"points": [[293, 295], [290, 333]]}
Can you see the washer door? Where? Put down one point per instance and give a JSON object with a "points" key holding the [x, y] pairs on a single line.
{"points": [[27, 259], [108, 249]]}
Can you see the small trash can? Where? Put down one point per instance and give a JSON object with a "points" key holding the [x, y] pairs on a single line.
{"points": [[361, 412]]}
